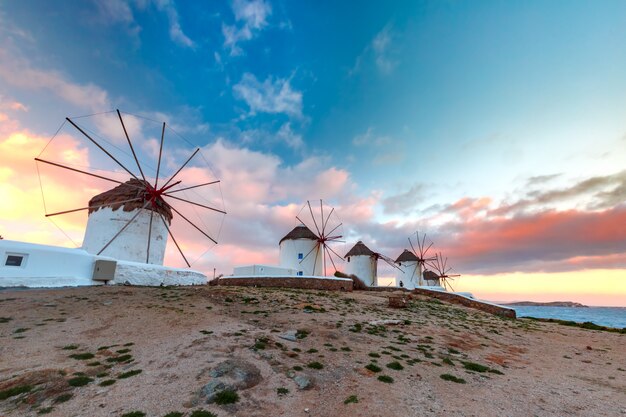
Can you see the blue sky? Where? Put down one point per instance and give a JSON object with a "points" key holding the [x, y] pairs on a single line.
{"points": [[422, 106]]}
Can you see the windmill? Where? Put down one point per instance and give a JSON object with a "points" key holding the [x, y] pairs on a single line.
{"points": [[417, 259], [164, 188], [363, 263], [440, 265], [327, 231]]}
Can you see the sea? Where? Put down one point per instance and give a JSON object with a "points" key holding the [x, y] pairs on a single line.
{"points": [[602, 316]]}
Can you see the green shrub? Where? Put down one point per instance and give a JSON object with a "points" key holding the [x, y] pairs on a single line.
{"points": [[82, 356], [476, 367], [79, 381], [315, 365], [12, 392], [63, 398], [107, 382], [228, 396], [202, 413], [448, 377], [386, 379], [129, 374], [395, 366], [373, 367], [134, 414], [282, 391], [351, 399]]}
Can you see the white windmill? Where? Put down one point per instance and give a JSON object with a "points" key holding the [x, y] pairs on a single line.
{"points": [[412, 263], [362, 262]]}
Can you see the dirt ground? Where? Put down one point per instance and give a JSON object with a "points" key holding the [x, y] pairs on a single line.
{"points": [[109, 351]]}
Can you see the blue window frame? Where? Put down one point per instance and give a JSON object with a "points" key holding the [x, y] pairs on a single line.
{"points": [[300, 273], [300, 256]]}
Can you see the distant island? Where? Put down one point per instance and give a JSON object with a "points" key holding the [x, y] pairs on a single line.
{"points": [[550, 304]]}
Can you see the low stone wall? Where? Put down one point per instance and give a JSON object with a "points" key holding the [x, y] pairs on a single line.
{"points": [[333, 284], [467, 302]]}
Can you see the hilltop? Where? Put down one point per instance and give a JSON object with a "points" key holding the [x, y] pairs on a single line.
{"points": [[108, 351]]}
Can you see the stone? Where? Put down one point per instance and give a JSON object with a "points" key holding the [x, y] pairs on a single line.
{"points": [[303, 382], [385, 322], [232, 374], [289, 335]]}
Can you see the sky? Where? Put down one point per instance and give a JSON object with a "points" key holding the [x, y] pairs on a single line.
{"points": [[498, 128]]}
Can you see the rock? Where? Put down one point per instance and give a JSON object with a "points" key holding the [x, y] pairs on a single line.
{"points": [[211, 389], [303, 382], [291, 373], [107, 303], [289, 335], [385, 322], [232, 374]]}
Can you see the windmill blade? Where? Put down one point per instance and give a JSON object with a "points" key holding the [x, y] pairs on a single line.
{"points": [[156, 180], [124, 227], [331, 260], [101, 148], [413, 248], [317, 252], [314, 247], [131, 145], [429, 246], [387, 259], [327, 218], [413, 274], [149, 236], [423, 244], [313, 217]]}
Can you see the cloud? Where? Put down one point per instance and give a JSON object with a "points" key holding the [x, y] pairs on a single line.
{"points": [[17, 71], [176, 32], [381, 44], [121, 12], [252, 15], [404, 203], [269, 96], [291, 139], [381, 51], [369, 138]]}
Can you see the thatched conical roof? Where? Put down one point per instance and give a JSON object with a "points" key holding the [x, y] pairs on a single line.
{"points": [[133, 188], [299, 232], [406, 256], [359, 249]]}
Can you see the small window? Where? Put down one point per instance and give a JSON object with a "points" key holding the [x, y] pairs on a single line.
{"points": [[14, 260], [300, 256], [299, 273]]}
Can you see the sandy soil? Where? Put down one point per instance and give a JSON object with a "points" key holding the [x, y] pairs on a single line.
{"points": [[176, 336]]}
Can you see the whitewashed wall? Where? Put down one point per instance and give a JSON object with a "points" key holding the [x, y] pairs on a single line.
{"points": [[132, 243], [261, 270], [364, 267], [289, 250], [409, 280]]}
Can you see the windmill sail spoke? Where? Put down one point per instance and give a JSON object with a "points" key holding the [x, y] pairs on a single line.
{"points": [[317, 252], [307, 255], [313, 217], [193, 224], [124, 228], [84, 172], [156, 180], [174, 240], [327, 218], [331, 260], [131, 145], [194, 203], [193, 186], [101, 148], [149, 236], [181, 168], [92, 207], [335, 228]]}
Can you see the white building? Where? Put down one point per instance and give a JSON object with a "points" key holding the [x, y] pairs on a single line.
{"points": [[301, 251], [123, 260], [412, 276], [361, 261], [132, 244]]}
